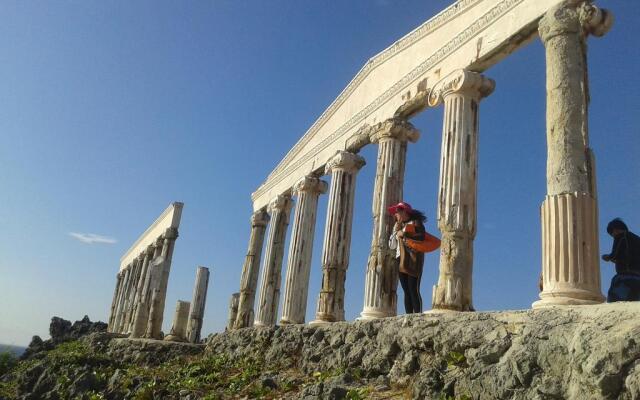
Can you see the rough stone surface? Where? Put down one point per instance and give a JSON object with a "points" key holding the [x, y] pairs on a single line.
{"points": [[588, 352], [61, 331]]}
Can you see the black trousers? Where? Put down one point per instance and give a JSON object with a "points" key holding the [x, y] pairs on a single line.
{"points": [[412, 299]]}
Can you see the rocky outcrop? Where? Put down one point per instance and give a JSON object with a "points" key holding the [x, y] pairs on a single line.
{"points": [[61, 331], [587, 352]]}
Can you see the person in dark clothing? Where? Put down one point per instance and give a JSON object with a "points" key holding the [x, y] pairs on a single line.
{"points": [[409, 224], [625, 253]]}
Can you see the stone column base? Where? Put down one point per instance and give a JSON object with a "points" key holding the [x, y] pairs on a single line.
{"points": [[570, 259], [369, 314]]}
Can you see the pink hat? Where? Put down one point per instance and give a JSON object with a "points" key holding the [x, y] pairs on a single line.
{"points": [[400, 206]]}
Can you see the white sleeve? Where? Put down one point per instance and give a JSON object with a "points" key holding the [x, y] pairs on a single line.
{"points": [[393, 241]]}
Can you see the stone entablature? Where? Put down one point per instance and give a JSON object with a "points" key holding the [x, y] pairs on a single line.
{"points": [[470, 35], [170, 218]]}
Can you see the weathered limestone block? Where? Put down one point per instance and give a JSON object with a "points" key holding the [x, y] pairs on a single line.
{"points": [[294, 302], [343, 168], [279, 209], [457, 196], [233, 310], [196, 313], [570, 211], [250, 270], [382, 274], [178, 331]]}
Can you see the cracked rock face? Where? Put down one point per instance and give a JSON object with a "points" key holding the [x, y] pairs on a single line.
{"points": [[588, 352]]}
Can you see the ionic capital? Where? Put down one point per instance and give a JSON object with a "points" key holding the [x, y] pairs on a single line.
{"points": [[394, 128], [259, 218], [595, 21], [170, 233], [345, 161], [582, 18], [280, 203], [466, 83], [310, 184]]}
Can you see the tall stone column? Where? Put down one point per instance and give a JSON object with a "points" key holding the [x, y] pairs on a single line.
{"points": [[294, 302], [382, 274], [569, 213], [126, 328], [196, 313], [279, 209], [151, 282], [114, 301], [158, 296], [457, 196], [250, 270], [139, 290], [343, 168], [122, 296]]}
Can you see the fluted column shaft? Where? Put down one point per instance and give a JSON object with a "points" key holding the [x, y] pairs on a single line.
{"points": [[139, 290], [279, 209], [137, 272], [457, 196], [250, 270], [569, 213], [343, 168], [294, 302], [233, 310], [128, 272], [156, 311], [150, 285], [199, 300], [382, 273], [114, 301]]}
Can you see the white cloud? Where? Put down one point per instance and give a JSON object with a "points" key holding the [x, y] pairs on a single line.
{"points": [[91, 238]]}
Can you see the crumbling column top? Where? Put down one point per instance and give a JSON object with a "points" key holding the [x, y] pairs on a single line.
{"points": [[259, 218], [346, 161], [280, 202], [472, 84], [567, 18], [394, 128], [310, 184]]}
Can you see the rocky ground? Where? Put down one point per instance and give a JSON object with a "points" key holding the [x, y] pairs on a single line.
{"points": [[567, 353]]}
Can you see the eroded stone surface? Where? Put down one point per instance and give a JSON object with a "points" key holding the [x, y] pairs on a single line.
{"points": [[587, 352]]}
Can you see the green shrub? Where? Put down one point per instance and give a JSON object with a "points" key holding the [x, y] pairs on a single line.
{"points": [[7, 362]]}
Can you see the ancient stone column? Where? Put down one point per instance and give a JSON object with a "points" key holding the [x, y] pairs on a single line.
{"points": [[343, 168], [178, 330], [139, 290], [121, 299], [294, 302], [279, 209], [114, 301], [156, 312], [137, 273], [382, 273], [233, 310], [461, 92], [569, 213], [250, 269], [151, 281], [196, 313]]}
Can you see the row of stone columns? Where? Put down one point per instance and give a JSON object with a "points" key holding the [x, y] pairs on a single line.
{"points": [[569, 212], [141, 288]]}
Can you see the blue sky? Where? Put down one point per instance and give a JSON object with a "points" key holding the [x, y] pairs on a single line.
{"points": [[109, 111]]}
